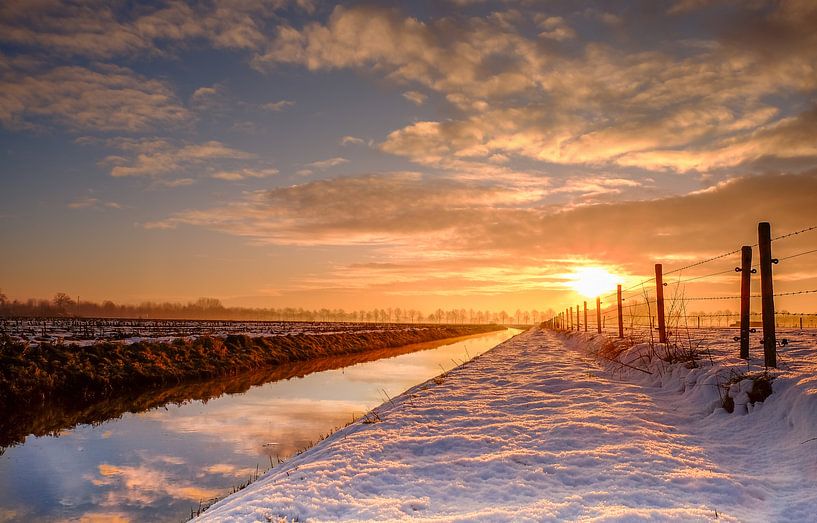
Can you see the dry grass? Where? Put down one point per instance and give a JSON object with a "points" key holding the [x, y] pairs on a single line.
{"points": [[761, 387], [31, 375]]}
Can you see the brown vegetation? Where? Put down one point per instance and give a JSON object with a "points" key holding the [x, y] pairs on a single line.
{"points": [[30, 374], [57, 413]]}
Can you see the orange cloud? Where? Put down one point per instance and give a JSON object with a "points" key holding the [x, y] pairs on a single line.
{"points": [[155, 157], [100, 29], [600, 106], [447, 231], [101, 98]]}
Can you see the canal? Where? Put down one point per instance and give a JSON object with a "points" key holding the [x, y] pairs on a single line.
{"points": [[155, 456]]}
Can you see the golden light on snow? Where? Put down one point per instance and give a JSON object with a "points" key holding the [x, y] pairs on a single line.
{"points": [[592, 281]]}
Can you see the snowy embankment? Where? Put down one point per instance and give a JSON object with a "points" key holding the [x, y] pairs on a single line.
{"points": [[541, 429]]}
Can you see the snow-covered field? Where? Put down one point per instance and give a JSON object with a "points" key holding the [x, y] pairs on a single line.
{"points": [[87, 331], [541, 429]]}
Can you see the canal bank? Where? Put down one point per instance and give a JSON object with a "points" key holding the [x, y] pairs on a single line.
{"points": [[33, 373], [539, 429]]}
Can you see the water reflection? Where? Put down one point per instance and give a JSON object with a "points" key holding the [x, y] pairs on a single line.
{"points": [[168, 449]]}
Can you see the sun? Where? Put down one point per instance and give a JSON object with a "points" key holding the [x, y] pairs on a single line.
{"points": [[592, 281]]}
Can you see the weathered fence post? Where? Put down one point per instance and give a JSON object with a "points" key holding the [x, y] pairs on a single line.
{"points": [[745, 289], [659, 299], [801, 323], [578, 320], [585, 317], [764, 240], [570, 311], [598, 314], [620, 314]]}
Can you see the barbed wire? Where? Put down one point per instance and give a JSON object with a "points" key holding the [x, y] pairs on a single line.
{"points": [[701, 277], [795, 233], [613, 308], [706, 298], [718, 257], [719, 273], [714, 315], [788, 293], [615, 293], [730, 253], [796, 255]]}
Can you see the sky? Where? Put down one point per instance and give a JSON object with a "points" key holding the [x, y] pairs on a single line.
{"points": [[448, 153]]}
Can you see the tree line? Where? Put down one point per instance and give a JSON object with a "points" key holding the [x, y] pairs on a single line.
{"points": [[63, 305]]}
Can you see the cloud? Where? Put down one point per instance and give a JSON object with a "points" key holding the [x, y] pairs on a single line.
{"points": [[100, 29], [90, 202], [555, 28], [100, 98], [444, 227], [177, 182], [322, 165], [143, 485], [787, 138], [278, 106], [210, 100], [352, 140], [327, 164], [693, 104], [358, 206], [203, 93], [244, 174], [439, 54], [158, 157], [415, 97], [684, 6]]}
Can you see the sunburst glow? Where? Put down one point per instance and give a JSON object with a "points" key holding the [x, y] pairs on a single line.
{"points": [[592, 281]]}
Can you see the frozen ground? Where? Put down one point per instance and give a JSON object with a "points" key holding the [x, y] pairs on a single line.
{"points": [[540, 429], [87, 331]]}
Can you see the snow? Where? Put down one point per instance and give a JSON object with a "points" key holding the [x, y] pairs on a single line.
{"points": [[88, 331], [539, 428]]}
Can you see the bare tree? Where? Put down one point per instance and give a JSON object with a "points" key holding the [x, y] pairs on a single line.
{"points": [[62, 301]]}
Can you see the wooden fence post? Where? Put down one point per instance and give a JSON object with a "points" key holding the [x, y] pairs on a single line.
{"points": [[585, 317], [598, 314], [659, 301], [578, 320], [764, 240], [745, 288], [620, 314], [570, 311]]}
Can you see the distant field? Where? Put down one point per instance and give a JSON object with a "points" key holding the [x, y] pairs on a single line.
{"points": [[87, 331]]}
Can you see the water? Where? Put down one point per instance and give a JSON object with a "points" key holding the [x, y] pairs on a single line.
{"points": [[157, 460]]}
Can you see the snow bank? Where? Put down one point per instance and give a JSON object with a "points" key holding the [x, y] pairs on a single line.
{"points": [[717, 375], [538, 429]]}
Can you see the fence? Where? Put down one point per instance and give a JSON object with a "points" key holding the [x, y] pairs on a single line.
{"points": [[644, 308]]}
